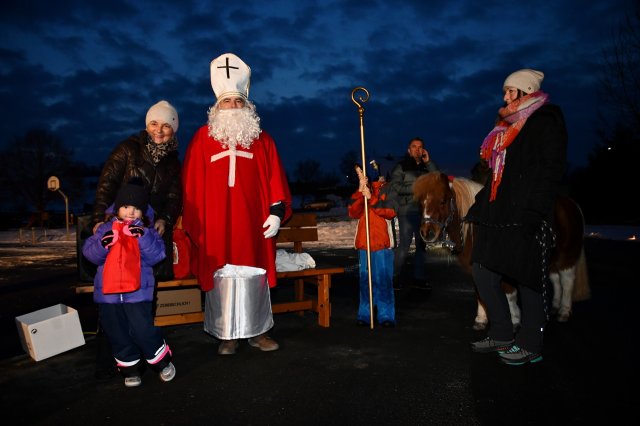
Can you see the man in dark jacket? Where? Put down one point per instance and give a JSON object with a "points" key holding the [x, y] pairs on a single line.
{"points": [[403, 176], [513, 214]]}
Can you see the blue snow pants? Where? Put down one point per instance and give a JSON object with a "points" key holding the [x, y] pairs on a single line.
{"points": [[131, 332], [382, 286]]}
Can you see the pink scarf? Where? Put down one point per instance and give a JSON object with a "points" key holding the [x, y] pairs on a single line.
{"points": [[511, 118]]}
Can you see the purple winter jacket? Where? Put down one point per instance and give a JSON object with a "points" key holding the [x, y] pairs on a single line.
{"points": [[152, 251]]}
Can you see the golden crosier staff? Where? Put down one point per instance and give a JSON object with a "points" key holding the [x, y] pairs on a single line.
{"points": [[366, 203]]}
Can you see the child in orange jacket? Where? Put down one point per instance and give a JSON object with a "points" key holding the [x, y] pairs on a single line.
{"points": [[381, 242]]}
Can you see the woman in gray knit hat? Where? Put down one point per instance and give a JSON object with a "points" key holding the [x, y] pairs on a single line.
{"points": [[526, 152]]}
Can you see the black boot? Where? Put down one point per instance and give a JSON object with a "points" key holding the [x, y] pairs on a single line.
{"points": [[105, 364]]}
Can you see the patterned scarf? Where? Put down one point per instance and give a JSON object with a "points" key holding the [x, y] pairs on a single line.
{"points": [[159, 150], [511, 118]]}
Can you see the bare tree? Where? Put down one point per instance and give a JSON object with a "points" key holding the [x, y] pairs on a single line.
{"points": [[613, 163], [29, 161], [307, 174], [620, 79], [614, 159], [347, 167], [307, 171]]}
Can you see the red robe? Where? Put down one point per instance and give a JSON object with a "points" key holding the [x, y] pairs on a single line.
{"points": [[225, 223]]}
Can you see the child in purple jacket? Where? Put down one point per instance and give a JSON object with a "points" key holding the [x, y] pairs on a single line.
{"points": [[125, 250]]}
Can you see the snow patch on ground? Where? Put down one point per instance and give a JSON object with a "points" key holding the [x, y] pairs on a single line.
{"points": [[47, 244]]}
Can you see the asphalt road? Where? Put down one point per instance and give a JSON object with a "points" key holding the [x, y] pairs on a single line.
{"points": [[422, 372]]}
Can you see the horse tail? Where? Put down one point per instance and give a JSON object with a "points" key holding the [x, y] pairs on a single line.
{"points": [[581, 288]]}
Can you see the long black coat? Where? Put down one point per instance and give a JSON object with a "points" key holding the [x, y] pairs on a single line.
{"points": [[132, 159], [534, 166]]}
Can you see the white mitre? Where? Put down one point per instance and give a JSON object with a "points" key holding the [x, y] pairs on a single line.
{"points": [[230, 76]]}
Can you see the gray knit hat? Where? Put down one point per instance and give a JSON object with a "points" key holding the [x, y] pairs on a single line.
{"points": [[526, 79], [163, 112]]}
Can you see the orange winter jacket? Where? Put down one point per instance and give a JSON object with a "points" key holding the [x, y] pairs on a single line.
{"points": [[381, 211]]}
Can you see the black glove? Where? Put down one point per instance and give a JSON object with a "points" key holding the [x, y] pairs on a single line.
{"points": [[107, 239], [136, 231]]}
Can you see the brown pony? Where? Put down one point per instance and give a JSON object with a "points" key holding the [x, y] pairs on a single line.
{"points": [[445, 202]]}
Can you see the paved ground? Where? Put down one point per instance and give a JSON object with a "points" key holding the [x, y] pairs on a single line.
{"points": [[419, 373]]}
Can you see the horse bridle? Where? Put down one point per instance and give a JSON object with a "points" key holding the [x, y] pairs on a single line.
{"points": [[444, 239]]}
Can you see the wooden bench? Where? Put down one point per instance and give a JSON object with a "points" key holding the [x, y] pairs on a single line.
{"points": [[301, 228]]}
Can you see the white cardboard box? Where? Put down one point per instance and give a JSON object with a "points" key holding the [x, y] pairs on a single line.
{"points": [[50, 331], [171, 302]]}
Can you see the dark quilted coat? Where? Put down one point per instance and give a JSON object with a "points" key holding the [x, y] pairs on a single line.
{"points": [[132, 159], [534, 167]]}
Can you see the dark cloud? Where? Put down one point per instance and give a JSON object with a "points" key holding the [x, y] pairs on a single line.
{"points": [[89, 70]]}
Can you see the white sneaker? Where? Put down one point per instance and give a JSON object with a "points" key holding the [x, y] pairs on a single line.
{"points": [[168, 373], [132, 382]]}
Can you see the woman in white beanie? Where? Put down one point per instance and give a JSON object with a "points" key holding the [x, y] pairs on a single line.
{"points": [[526, 152], [150, 155]]}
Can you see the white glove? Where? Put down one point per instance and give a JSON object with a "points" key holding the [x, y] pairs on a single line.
{"points": [[272, 224]]}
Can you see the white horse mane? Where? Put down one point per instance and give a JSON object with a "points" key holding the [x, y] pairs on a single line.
{"points": [[465, 190]]}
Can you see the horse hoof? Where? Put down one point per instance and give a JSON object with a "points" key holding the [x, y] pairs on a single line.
{"points": [[479, 326], [563, 317], [516, 327]]}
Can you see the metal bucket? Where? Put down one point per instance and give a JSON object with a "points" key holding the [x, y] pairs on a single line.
{"points": [[239, 305]]}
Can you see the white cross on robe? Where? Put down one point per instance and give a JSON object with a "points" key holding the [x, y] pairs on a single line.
{"points": [[232, 153]]}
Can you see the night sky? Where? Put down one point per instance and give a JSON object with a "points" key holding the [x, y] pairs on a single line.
{"points": [[88, 71]]}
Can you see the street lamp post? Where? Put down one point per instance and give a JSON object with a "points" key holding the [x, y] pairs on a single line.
{"points": [[54, 185]]}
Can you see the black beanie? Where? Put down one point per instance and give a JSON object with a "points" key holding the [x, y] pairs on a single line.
{"points": [[132, 194]]}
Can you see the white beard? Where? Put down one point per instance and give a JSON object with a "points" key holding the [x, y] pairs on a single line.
{"points": [[232, 127]]}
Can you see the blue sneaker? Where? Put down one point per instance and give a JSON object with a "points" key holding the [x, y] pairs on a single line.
{"points": [[518, 356]]}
